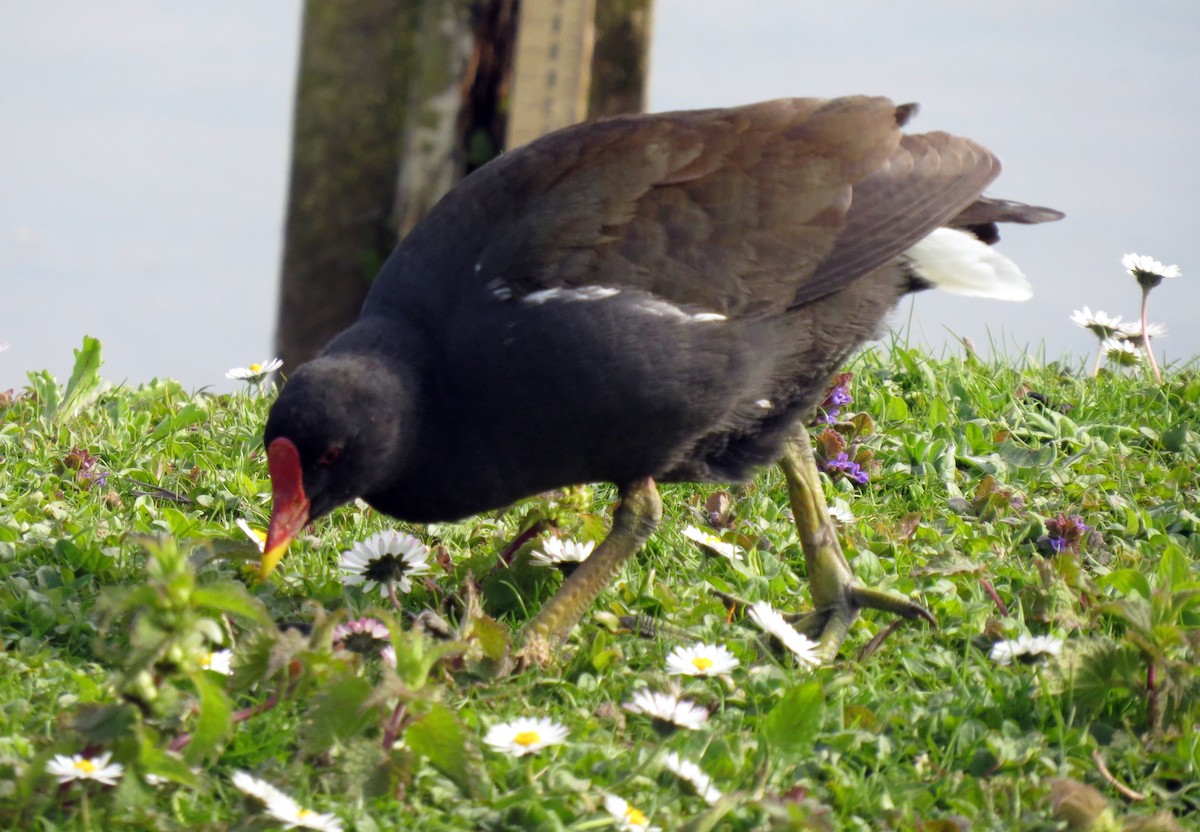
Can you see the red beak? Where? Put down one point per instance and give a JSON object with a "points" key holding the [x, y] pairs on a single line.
{"points": [[289, 505]]}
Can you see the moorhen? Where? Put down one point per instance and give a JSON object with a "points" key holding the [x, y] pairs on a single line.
{"points": [[648, 297]]}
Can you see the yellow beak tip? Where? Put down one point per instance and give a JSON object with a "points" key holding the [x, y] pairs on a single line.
{"points": [[270, 560]]}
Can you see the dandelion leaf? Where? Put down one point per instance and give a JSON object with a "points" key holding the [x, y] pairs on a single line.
{"points": [[85, 380]]}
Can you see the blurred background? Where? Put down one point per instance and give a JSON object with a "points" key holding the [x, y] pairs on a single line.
{"points": [[146, 153]]}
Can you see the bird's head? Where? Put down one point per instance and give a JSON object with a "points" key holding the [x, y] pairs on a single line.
{"points": [[332, 435]]}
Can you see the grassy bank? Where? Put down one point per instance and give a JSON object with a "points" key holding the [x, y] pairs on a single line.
{"points": [[1009, 500]]}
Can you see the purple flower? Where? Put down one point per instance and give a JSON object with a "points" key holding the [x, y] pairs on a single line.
{"points": [[1065, 533], [81, 461], [837, 398], [846, 466]]}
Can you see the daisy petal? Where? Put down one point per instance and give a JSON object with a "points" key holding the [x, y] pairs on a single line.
{"points": [[771, 622]]}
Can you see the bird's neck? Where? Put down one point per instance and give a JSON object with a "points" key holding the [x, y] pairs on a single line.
{"points": [[385, 358]]}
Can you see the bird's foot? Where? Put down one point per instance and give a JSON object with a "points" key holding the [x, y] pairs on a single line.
{"points": [[828, 625], [536, 652], [837, 596]]}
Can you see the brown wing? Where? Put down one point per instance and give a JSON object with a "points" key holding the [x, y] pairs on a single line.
{"points": [[738, 211], [926, 182]]}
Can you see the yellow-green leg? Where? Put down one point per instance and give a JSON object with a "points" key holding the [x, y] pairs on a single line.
{"points": [[837, 598], [635, 519]]}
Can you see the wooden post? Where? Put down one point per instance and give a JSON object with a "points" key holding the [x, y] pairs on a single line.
{"points": [[553, 68], [398, 99]]}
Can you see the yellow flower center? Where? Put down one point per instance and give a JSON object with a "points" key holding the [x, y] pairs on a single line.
{"points": [[702, 662], [304, 813], [206, 661], [635, 817], [526, 738], [85, 766], [254, 368]]}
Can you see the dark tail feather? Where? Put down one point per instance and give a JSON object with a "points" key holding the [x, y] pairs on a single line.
{"points": [[981, 216]]}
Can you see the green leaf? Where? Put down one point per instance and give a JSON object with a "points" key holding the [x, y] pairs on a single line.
{"points": [[441, 737], [1127, 581], [104, 724], [45, 388], [416, 655], [896, 410], [215, 721], [85, 379], [232, 598], [155, 760], [793, 723], [491, 636], [339, 712], [1175, 439], [1174, 571], [189, 415]]}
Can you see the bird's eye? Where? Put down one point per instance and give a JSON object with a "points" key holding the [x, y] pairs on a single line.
{"points": [[331, 456]]}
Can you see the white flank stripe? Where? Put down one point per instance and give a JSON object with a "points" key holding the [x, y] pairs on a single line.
{"points": [[567, 295]]}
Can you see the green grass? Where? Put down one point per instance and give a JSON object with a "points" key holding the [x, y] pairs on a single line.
{"points": [[111, 588]]}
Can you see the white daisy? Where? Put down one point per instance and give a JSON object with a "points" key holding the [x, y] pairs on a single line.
{"points": [[555, 550], [77, 767], [771, 622], [1098, 322], [363, 635], [257, 537], [525, 735], [1133, 332], [701, 660], [255, 372], [383, 558], [693, 775], [258, 789], [371, 627], [1148, 271], [1121, 353], [840, 511], [1025, 649], [218, 661], [666, 710], [713, 543], [629, 818], [295, 816]]}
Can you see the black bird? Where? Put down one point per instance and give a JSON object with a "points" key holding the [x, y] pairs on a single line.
{"points": [[649, 297]]}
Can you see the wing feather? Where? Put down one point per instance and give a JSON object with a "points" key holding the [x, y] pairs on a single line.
{"points": [[741, 211]]}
